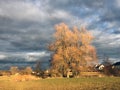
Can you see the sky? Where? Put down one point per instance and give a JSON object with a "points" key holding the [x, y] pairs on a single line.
{"points": [[27, 26]]}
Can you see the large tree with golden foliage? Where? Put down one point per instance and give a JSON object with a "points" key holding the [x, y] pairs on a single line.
{"points": [[72, 49]]}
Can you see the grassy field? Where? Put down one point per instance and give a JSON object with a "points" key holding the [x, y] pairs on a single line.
{"points": [[93, 83]]}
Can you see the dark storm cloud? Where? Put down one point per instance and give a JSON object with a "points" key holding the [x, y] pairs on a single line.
{"points": [[107, 12], [28, 25], [29, 30]]}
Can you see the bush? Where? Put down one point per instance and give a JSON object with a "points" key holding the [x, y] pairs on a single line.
{"points": [[14, 70]]}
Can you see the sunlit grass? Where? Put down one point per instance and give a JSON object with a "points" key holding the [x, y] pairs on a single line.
{"points": [[93, 83]]}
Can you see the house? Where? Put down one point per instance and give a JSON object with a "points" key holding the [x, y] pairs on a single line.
{"points": [[103, 65], [99, 67], [116, 65]]}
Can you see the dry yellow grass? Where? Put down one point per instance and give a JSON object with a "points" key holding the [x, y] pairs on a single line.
{"points": [[18, 78], [93, 83], [23, 78]]}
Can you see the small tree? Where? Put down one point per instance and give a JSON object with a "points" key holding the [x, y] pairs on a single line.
{"points": [[14, 70], [108, 70], [38, 66], [72, 50], [28, 70], [38, 69]]}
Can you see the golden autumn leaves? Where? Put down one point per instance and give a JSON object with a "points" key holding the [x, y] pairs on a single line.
{"points": [[72, 49]]}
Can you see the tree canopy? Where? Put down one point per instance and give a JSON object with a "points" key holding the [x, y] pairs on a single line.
{"points": [[72, 49]]}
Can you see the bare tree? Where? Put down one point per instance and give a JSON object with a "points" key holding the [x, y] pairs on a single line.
{"points": [[28, 70], [72, 49], [14, 70]]}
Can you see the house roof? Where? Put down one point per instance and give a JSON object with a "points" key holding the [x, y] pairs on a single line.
{"points": [[116, 64]]}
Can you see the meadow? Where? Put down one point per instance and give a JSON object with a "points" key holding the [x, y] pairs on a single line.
{"points": [[89, 83]]}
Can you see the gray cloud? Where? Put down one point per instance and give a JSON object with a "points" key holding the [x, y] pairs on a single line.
{"points": [[28, 25]]}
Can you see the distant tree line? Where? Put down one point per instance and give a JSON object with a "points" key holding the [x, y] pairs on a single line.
{"points": [[108, 68], [15, 70]]}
